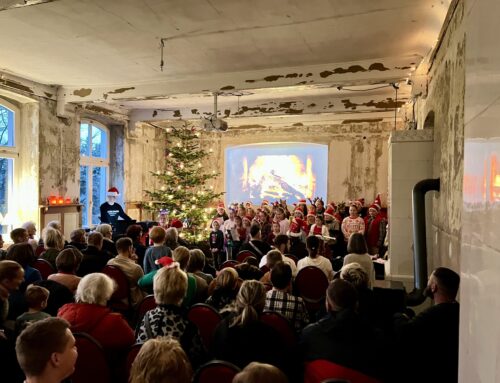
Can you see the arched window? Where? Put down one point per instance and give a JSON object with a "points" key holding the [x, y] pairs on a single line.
{"points": [[94, 169], [8, 153]]}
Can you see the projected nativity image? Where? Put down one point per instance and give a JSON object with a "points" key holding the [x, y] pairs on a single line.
{"points": [[287, 171]]}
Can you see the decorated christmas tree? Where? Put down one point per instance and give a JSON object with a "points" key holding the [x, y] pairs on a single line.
{"points": [[182, 188]]}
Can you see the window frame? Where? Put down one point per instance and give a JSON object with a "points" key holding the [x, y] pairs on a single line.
{"points": [[92, 162]]}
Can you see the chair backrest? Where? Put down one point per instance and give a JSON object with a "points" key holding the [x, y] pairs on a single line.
{"points": [[311, 284], [58, 297], [319, 371], [264, 269], [122, 289], [206, 319], [91, 364], [39, 250], [131, 355], [244, 254], [281, 325], [148, 303], [216, 371], [229, 263], [293, 258], [44, 267]]}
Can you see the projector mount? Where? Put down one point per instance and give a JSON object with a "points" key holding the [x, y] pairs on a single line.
{"points": [[213, 123]]}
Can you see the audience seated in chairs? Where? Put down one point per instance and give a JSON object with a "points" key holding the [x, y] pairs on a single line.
{"points": [[281, 300], [272, 258], [314, 259], [126, 262], [90, 315], [161, 360], [108, 246], [242, 338], [172, 238], [19, 235], [358, 252], [249, 269], [224, 289], [281, 243], [342, 337], [157, 251], [197, 286], [67, 262], [53, 242], [46, 351], [77, 239], [356, 275], [256, 245], [94, 259], [168, 318], [31, 229], [260, 373], [36, 298]]}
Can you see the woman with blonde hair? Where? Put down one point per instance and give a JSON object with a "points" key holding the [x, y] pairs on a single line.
{"points": [[242, 338], [53, 243], [260, 372], [161, 360], [168, 318]]}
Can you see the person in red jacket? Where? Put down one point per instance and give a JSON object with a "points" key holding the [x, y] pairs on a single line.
{"points": [[375, 226], [90, 315]]}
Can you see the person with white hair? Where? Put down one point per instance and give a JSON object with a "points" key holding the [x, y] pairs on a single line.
{"points": [[89, 314], [30, 227]]}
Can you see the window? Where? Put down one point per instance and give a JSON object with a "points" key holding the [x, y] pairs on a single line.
{"points": [[94, 169], [8, 152]]}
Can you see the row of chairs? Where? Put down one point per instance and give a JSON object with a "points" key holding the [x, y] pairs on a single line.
{"points": [[92, 366]]}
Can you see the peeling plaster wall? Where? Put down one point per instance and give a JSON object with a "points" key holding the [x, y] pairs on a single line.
{"points": [[144, 152], [357, 159], [59, 153], [446, 99]]}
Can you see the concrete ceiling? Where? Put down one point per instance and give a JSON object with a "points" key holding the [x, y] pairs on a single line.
{"points": [[107, 52]]}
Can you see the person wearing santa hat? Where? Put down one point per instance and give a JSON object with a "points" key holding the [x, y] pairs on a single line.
{"points": [[221, 215], [353, 223], [375, 227], [111, 211]]}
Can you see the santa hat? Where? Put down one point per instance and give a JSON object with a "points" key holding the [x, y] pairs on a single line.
{"points": [[303, 201], [329, 211], [299, 210], [361, 201], [332, 205], [113, 192], [164, 261], [296, 227], [376, 204], [265, 202], [221, 205], [176, 223], [311, 211]]}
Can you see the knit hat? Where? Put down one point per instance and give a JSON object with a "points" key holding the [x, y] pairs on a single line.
{"points": [[113, 192], [296, 227], [311, 211]]}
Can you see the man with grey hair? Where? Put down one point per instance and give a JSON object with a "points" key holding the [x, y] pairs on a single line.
{"points": [[31, 229]]}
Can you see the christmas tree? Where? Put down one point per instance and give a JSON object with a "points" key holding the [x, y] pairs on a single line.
{"points": [[183, 191]]}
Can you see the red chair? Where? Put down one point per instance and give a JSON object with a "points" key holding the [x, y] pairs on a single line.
{"points": [[311, 284], [91, 364], [293, 258], [122, 292], [282, 326], [264, 269], [229, 263], [131, 355], [44, 267], [319, 371], [148, 303], [39, 250], [244, 254], [206, 319], [216, 371]]}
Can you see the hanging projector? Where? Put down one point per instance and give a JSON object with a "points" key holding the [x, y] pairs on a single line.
{"points": [[213, 123]]}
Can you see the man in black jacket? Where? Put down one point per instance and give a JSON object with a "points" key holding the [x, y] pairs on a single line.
{"points": [[256, 245], [429, 341], [94, 259], [111, 210]]}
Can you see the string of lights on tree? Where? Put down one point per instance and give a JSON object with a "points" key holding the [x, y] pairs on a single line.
{"points": [[182, 184]]}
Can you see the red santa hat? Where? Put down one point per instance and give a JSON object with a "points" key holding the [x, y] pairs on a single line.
{"points": [[296, 227], [361, 201], [329, 211], [113, 192], [164, 261], [376, 204], [221, 205], [311, 211], [176, 223], [357, 204], [332, 205], [303, 201], [298, 209]]}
